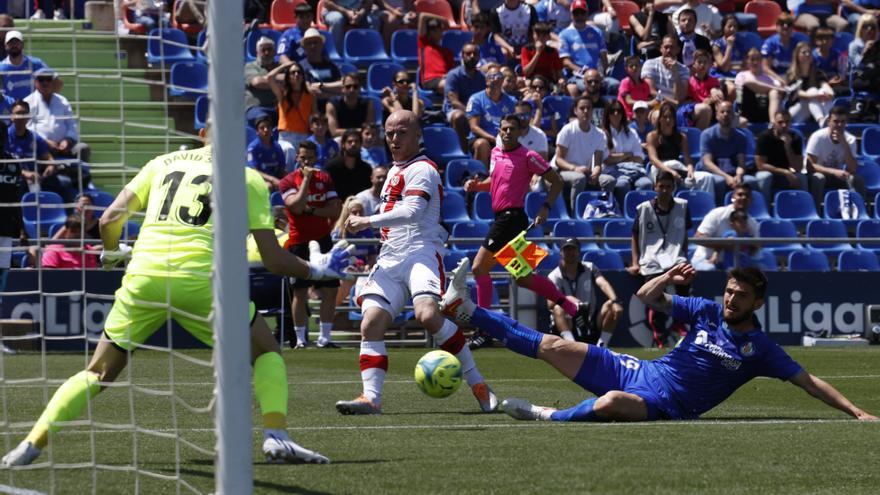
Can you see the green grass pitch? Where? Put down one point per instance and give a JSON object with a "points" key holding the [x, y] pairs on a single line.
{"points": [[768, 438]]}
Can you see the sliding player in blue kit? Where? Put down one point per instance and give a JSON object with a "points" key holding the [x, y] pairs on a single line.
{"points": [[725, 349]]}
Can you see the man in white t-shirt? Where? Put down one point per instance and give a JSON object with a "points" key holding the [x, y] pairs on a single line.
{"points": [[580, 150], [533, 137], [716, 223], [708, 17], [371, 198], [831, 162]]}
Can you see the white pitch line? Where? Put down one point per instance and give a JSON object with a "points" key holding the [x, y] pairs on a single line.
{"points": [[11, 490]]}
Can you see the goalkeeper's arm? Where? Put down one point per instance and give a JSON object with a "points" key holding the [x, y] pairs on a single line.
{"points": [[281, 262], [114, 218]]}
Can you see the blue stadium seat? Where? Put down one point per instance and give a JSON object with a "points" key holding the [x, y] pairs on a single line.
{"points": [[249, 134], [700, 203], [363, 47], [828, 228], [765, 260], [483, 207], [558, 212], [250, 43], [380, 76], [550, 262], [773, 227], [454, 40], [757, 208], [558, 104], [619, 227], [581, 202], [131, 230], [857, 261], [404, 48], [346, 68], [580, 229], [168, 45], [536, 235], [750, 142], [330, 47], [469, 229], [808, 260], [201, 56], [750, 39], [53, 229], [870, 172], [633, 199], [693, 137], [832, 207], [188, 80], [101, 201], [377, 108], [605, 260], [275, 199], [39, 217], [201, 113], [871, 142], [442, 145], [868, 229], [456, 170], [794, 205], [841, 41], [451, 259], [454, 207]]}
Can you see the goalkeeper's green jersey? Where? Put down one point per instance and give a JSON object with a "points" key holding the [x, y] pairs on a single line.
{"points": [[176, 238]]}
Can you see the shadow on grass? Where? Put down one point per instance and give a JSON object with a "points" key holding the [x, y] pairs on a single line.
{"points": [[268, 485]]}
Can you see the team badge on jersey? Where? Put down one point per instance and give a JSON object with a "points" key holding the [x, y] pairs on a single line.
{"points": [[747, 349], [319, 186], [395, 180]]}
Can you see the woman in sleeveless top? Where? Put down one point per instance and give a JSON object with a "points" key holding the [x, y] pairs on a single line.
{"points": [[295, 105], [668, 148]]}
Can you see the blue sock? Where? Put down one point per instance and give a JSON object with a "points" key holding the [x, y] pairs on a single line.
{"points": [[581, 412], [518, 338]]}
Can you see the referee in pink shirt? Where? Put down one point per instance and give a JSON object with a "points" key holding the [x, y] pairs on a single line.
{"points": [[512, 166]]}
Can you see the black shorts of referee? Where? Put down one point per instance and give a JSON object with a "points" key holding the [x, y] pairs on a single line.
{"points": [[302, 250], [507, 225]]}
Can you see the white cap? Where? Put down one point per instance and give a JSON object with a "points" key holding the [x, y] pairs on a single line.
{"points": [[640, 105], [312, 33], [14, 35]]}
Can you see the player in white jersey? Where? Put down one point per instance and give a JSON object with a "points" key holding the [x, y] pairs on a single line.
{"points": [[410, 264]]}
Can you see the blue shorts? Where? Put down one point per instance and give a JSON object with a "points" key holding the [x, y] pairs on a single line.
{"points": [[604, 371], [685, 115]]}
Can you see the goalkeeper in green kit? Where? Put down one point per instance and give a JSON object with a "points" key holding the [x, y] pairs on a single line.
{"points": [[169, 275]]}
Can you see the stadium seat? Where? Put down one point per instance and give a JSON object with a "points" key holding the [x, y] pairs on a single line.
{"points": [[870, 172], [558, 104], [536, 235], [700, 203], [693, 137], [750, 141], [200, 53], [47, 210], [772, 227], [330, 47], [757, 208], [828, 229], [605, 260], [454, 207], [249, 134], [457, 169], [188, 80], [633, 199], [451, 259], [624, 9], [454, 40], [547, 264], [767, 13], [751, 40], [794, 205], [437, 7], [832, 207], [363, 47], [871, 142], [101, 200], [808, 260], [131, 230], [404, 48], [534, 201], [168, 46], [275, 199], [377, 108], [281, 15], [483, 207], [842, 40], [765, 260], [380, 76], [250, 43], [201, 112], [346, 68], [869, 229], [580, 229], [619, 227], [857, 261], [442, 145], [469, 229]]}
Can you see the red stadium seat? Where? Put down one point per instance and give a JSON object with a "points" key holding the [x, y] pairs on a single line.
{"points": [[281, 15], [624, 9], [767, 13], [437, 7]]}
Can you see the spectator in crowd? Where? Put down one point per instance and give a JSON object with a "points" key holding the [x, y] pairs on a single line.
{"points": [[189, 12], [546, 116], [539, 57], [342, 14], [813, 13], [666, 76], [402, 95], [84, 209], [57, 10], [580, 151], [17, 69], [259, 100], [649, 27], [758, 94], [11, 225], [69, 253], [625, 161], [640, 123], [6, 22], [780, 152], [659, 242], [349, 172], [23, 144], [351, 110], [266, 156], [484, 112], [396, 15], [52, 118], [512, 24], [373, 147], [706, 20], [312, 208], [323, 76], [855, 9], [289, 44], [633, 88], [490, 52], [723, 148], [593, 84], [829, 59], [554, 12], [689, 39], [581, 279], [831, 161], [812, 95], [778, 50], [295, 104], [532, 137], [729, 51], [668, 151], [716, 223], [511, 83], [371, 197], [326, 147], [582, 47], [435, 61], [147, 13], [866, 36], [365, 254], [461, 83], [704, 94]]}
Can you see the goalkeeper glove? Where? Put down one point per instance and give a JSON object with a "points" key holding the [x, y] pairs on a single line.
{"points": [[109, 259], [332, 264]]}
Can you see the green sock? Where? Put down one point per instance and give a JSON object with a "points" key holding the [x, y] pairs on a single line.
{"points": [[270, 387], [67, 404]]}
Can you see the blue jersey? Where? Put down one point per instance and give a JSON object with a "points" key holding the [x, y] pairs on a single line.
{"points": [[375, 156], [490, 112], [326, 151], [463, 85], [781, 56], [22, 147], [289, 45], [832, 65], [267, 160], [6, 103], [490, 52], [18, 80], [583, 47]]}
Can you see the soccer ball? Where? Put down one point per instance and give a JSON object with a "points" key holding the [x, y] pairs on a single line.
{"points": [[438, 374]]}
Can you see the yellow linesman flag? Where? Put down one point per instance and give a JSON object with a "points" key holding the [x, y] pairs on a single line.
{"points": [[519, 256]]}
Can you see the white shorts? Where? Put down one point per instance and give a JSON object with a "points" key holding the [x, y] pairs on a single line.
{"points": [[421, 274]]}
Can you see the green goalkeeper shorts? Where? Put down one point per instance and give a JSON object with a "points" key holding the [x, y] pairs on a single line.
{"points": [[145, 303]]}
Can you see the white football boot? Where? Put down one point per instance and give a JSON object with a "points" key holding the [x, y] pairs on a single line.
{"points": [[525, 410], [22, 455], [457, 303], [279, 448]]}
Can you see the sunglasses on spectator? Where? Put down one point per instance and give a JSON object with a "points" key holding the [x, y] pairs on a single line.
{"points": [[495, 77], [44, 79], [524, 116], [539, 87], [594, 81], [402, 81], [295, 72]]}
